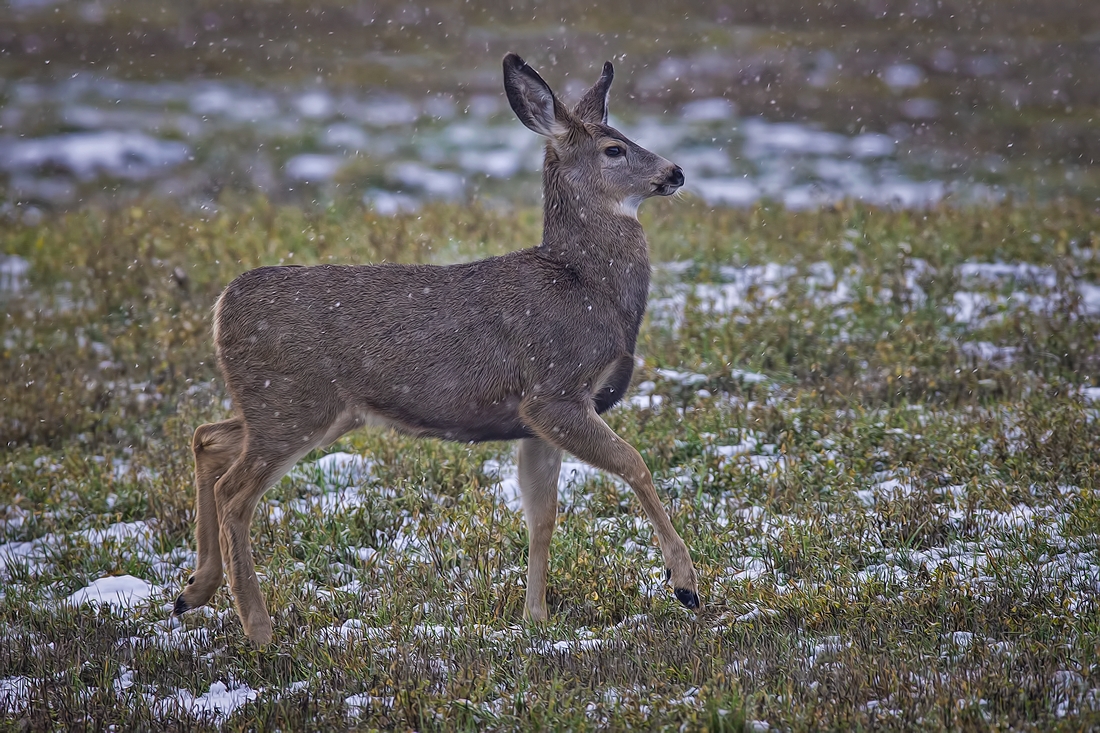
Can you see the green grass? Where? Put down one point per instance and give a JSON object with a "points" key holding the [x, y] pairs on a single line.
{"points": [[905, 535]]}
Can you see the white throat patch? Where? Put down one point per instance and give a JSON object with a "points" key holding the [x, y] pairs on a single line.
{"points": [[629, 207]]}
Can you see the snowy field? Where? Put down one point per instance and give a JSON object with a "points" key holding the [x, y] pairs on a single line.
{"points": [[121, 130], [395, 103], [880, 441]]}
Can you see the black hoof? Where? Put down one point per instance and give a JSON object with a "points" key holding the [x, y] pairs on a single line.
{"points": [[180, 607], [687, 597]]}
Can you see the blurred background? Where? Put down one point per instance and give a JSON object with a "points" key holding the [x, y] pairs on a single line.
{"points": [[893, 102]]}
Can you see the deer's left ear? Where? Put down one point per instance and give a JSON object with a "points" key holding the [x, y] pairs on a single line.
{"points": [[533, 101], [593, 105]]}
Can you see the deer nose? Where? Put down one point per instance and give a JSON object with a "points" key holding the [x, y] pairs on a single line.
{"points": [[676, 177]]}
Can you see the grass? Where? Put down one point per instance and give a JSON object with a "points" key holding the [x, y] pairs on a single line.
{"points": [[885, 464]]}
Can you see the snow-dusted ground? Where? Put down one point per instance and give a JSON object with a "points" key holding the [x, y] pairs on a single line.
{"points": [[344, 480], [120, 129], [985, 547], [121, 592], [991, 292]]}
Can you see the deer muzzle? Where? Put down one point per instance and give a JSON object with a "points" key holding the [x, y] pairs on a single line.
{"points": [[671, 182]]}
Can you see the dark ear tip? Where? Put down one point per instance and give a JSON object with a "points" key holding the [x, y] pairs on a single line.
{"points": [[513, 60], [608, 69]]}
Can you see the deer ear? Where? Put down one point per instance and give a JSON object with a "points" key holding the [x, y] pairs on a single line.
{"points": [[532, 99], [593, 105]]}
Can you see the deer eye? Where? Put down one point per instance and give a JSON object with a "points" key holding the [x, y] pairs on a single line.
{"points": [[614, 151]]}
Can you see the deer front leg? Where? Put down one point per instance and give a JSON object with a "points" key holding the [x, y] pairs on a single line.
{"points": [[238, 492], [575, 427], [216, 447], [539, 465]]}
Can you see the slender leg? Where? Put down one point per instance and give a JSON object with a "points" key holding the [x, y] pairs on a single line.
{"points": [[226, 553], [216, 447], [237, 493], [539, 465], [575, 427]]}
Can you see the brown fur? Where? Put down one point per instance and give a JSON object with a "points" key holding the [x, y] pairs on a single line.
{"points": [[532, 345]]}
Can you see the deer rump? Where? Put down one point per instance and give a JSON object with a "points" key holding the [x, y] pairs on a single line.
{"points": [[432, 351]]}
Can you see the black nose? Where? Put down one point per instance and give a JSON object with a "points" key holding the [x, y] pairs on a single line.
{"points": [[676, 177]]}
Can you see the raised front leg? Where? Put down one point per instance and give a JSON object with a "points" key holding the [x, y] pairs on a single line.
{"points": [[215, 446], [575, 427], [539, 465]]}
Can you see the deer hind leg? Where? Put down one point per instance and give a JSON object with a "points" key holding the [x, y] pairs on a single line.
{"points": [[539, 465], [575, 427], [216, 446]]}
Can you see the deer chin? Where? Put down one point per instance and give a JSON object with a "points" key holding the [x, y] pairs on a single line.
{"points": [[665, 189]]}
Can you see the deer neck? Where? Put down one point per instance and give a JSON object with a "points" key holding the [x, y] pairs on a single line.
{"points": [[602, 242]]}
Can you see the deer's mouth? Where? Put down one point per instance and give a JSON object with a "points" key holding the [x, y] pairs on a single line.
{"points": [[671, 183]]}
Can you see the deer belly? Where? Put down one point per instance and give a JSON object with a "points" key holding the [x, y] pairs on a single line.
{"points": [[465, 423]]}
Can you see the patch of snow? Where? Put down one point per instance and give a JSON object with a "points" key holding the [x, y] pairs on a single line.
{"points": [[714, 109], [388, 203], [872, 145], [435, 183], [746, 446], [1090, 297], [14, 694], [13, 517], [687, 379], [969, 306], [1021, 272], [962, 639], [315, 105], [34, 554], [501, 163], [215, 705], [116, 591], [754, 614], [295, 687], [573, 647], [236, 104], [572, 473], [132, 155], [313, 167], [387, 110], [984, 351], [361, 704], [124, 681], [345, 135], [764, 139], [748, 377], [827, 649], [344, 467], [754, 568], [13, 273], [352, 629], [1066, 692], [903, 76]]}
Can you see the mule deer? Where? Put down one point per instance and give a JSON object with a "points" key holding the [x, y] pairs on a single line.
{"points": [[531, 346]]}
